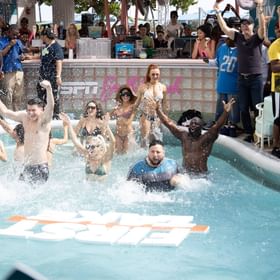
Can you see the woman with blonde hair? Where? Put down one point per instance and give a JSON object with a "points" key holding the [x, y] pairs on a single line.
{"points": [[124, 114], [72, 35], [151, 89]]}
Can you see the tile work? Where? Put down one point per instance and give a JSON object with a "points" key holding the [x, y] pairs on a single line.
{"points": [[187, 87]]}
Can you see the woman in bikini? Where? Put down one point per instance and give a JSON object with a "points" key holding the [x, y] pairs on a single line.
{"points": [[97, 152], [204, 47], [92, 122], [150, 89], [124, 114]]}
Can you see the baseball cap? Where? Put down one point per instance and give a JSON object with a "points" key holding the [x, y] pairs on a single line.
{"points": [[246, 21]]}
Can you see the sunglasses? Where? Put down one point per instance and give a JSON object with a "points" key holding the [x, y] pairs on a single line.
{"points": [[91, 107], [91, 147], [125, 93]]}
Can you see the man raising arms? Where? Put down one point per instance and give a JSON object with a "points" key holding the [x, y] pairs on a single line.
{"points": [[36, 121], [196, 147]]}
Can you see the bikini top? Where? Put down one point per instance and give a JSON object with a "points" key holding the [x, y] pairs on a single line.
{"points": [[125, 115], [100, 170], [84, 132], [159, 94]]}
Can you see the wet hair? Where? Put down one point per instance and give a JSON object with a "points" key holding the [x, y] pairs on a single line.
{"points": [[36, 101], [99, 111], [151, 67], [19, 129], [156, 142], [48, 32]]}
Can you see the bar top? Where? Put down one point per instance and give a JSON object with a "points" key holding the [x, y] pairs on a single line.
{"points": [[124, 63]]}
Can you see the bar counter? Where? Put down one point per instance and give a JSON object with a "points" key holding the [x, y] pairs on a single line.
{"points": [[190, 82]]}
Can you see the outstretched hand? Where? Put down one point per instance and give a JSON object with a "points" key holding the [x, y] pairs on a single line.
{"points": [[45, 84], [228, 106], [64, 117]]}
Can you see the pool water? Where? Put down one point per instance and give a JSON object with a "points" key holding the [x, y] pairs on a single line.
{"points": [[242, 243]]}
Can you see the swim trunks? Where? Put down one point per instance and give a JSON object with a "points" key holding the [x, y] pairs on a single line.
{"points": [[38, 173]]}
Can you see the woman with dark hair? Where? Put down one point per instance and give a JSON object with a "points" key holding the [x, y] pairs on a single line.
{"points": [[92, 121], [17, 133], [124, 114], [151, 89], [204, 47]]}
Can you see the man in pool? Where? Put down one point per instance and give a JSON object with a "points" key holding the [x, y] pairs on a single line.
{"points": [[155, 172], [196, 147], [36, 121]]}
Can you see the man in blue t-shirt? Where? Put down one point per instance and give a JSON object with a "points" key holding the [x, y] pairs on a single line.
{"points": [[11, 49], [51, 67], [155, 172]]}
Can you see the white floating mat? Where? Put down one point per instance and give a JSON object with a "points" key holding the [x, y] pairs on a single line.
{"points": [[134, 236], [102, 234], [172, 238], [20, 229]]}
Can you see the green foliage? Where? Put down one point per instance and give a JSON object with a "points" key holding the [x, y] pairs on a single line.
{"points": [[183, 4], [114, 5]]}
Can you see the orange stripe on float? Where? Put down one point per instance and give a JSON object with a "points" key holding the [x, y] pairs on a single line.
{"points": [[196, 228]]}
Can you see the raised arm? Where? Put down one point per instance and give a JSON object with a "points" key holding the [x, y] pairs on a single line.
{"points": [[261, 18], [73, 135], [64, 140], [6, 127], [3, 154], [48, 112], [223, 118], [140, 93], [16, 116], [111, 147], [169, 124], [228, 31]]}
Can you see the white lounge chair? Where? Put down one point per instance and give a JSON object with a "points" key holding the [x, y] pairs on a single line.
{"points": [[264, 122]]}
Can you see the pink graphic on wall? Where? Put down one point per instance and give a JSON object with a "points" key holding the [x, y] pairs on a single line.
{"points": [[110, 86]]}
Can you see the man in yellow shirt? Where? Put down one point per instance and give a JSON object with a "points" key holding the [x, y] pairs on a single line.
{"points": [[274, 57]]}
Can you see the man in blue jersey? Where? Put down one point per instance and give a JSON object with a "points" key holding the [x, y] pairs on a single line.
{"points": [[155, 172], [226, 61]]}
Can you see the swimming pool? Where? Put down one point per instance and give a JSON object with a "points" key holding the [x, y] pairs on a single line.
{"points": [[243, 216]]}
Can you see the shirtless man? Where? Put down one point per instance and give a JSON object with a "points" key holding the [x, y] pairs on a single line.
{"points": [[196, 147], [36, 121]]}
